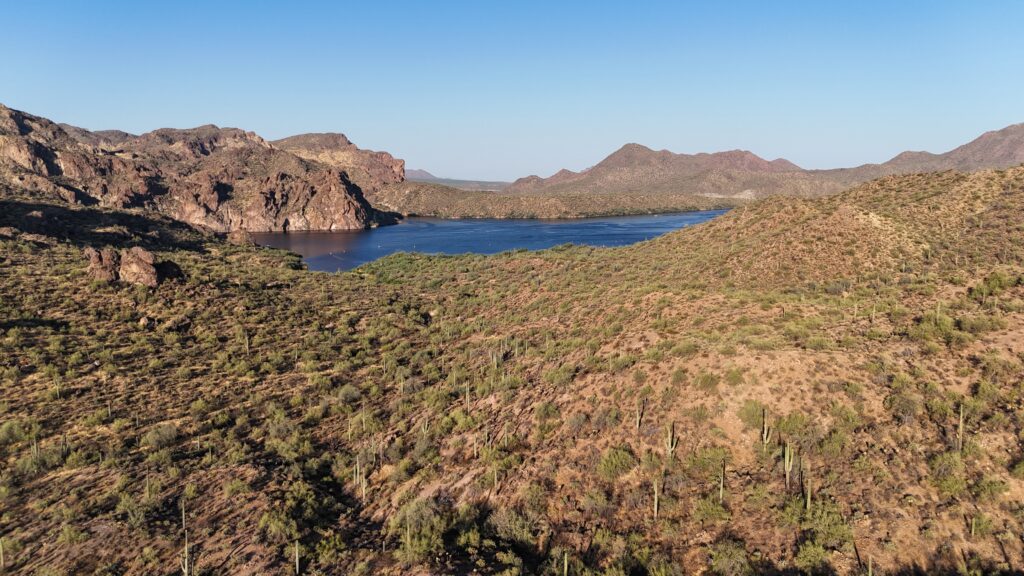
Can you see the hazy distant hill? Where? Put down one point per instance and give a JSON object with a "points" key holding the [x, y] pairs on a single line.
{"points": [[476, 185]]}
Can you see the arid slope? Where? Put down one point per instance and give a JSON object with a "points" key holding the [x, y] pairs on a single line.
{"points": [[777, 390]]}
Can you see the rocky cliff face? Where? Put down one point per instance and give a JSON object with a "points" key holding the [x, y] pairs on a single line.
{"points": [[368, 169], [220, 178]]}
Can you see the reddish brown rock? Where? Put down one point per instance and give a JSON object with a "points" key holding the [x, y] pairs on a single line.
{"points": [[222, 179], [103, 264], [138, 266], [367, 169]]}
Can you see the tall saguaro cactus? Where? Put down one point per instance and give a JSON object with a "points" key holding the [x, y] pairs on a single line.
{"points": [[787, 462], [766, 432], [671, 441]]}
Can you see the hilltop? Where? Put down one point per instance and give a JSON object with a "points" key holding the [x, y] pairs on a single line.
{"points": [[369, 169], [812, 384]]}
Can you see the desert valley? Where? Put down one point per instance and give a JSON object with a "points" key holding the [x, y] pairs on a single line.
{"points": [[663, 364], [465, 413]]}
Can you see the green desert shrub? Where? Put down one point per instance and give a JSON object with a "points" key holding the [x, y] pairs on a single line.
{"points": [[729, 558], [948, 474], [160, 436], [615, 462], [420, 526]]}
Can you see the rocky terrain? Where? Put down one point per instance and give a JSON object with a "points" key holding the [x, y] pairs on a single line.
{"points": [[802, 385], [370, 170], [219, 178]]}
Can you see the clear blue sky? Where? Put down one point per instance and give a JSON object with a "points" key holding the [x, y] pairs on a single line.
{"points": [[505, 89]]}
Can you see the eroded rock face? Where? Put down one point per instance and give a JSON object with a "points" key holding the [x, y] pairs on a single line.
{"points": [[368, 169], [220, 178], [103, 264], [138, 266]]}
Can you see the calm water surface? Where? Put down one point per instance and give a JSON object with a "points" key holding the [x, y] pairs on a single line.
{"points": [[332, 251]]}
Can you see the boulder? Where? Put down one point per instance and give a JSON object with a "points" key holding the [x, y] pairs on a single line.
{"points": [[138, 266], [240, 237], [103, 264]]}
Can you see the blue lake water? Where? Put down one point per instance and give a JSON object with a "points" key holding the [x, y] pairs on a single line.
{"points": [[332, 251]]}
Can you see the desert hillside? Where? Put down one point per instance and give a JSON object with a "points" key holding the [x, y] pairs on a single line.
{"points": [[471, 185], [420, 198], [823, 386]]}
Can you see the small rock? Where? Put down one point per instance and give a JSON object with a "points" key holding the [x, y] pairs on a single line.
{"points": [[8, 232], [176, 324], [138, 266], [102, 264], [38, 239], [145, 322]]}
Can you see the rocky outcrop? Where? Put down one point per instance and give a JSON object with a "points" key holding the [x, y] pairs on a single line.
{"points": [[103, 264], [368, 169], [138, 266], [133, 265], [222, 179]]}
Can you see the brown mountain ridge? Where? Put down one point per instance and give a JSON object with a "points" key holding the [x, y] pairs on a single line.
{"points": [[742, 174]]}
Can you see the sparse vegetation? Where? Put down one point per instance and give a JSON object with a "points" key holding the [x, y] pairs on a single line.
{"points": [[451, 414]]}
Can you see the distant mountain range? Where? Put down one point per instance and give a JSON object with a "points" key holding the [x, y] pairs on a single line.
{"points": [[226, 179], [636, 169], [474, 185]]}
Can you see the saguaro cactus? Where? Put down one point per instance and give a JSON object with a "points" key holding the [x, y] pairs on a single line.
{"points": [[187, 560], [656, 500], [766, 432], [787, 462], [641, 406], [960, 430], [721, 484], [671, 440]]}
